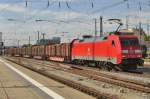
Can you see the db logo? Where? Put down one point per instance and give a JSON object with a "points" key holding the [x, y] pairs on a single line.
{"points": [[130, 48], [131, 51]]}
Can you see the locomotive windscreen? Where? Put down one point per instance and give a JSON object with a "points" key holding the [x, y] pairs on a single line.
{"points": [[129, 42]]}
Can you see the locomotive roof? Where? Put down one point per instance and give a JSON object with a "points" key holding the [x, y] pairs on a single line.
{"points": [[128, 36], [98, 38]]}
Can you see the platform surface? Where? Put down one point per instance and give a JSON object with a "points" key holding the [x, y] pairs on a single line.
{"points": [[17, 82]]}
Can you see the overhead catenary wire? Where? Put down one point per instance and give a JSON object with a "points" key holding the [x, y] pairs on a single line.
{"points": [[68, 6], [108, 7], [92, 3], [140, 7], [127, 17], [59, 4], [38, 12], [26, 3], [48, 4]]}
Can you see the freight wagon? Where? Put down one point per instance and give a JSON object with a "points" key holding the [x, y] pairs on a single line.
{"points": [[26, 51], [38, 51], [59, 52]]}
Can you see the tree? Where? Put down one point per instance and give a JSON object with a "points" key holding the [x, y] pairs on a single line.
{"points": [[26, 45], [146, 37]]}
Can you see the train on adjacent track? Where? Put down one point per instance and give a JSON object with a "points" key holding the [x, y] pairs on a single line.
{"points": [[109, 52]]}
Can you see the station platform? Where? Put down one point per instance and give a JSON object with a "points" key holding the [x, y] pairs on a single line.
{"points": [[17, 82]]}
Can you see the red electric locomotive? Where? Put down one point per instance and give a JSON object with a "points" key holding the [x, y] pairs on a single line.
{"points": [[113, 51]]}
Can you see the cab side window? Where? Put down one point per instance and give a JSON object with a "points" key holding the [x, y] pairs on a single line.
{"points": [[113, 43]]}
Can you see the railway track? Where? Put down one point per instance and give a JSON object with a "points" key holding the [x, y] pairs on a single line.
{"points": [[139, 86], [78, 86], [131, 84]]}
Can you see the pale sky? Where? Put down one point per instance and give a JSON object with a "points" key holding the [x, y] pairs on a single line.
{"points": [[74, 17]]}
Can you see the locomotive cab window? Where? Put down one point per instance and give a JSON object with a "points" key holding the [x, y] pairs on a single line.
{"points": [[129, 42], [81, 40], [113, 43]]}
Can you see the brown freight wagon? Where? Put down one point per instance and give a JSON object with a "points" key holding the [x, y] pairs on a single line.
{"points": [[66, 51], [28, 51], [23, 51], [58, 52], [16, 52], [53, 51], [12, 51], [38, 51], [47, 51], [50, 52], [8, 51], [33, 49], [19, 52]]}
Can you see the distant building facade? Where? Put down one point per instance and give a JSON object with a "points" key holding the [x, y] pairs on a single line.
{"points": [[54, 40]]}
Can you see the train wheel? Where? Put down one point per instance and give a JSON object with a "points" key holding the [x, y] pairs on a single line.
{"points": [[88, 63], [118, 68], [75, 62], [106, 66], [109, 66], [98, 65]]}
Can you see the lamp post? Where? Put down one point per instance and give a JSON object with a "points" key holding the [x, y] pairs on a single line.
{"points": [[43, 34], [18, 43], [95, 20], [148, 27], [101, 26]]}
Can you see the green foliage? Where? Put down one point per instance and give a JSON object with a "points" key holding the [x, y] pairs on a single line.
{"points": [[110, 32], [27, 45], [147, 38]]}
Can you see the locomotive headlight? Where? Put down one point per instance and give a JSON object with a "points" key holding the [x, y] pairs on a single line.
{"points": [[124, 51], [138, 51]]}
